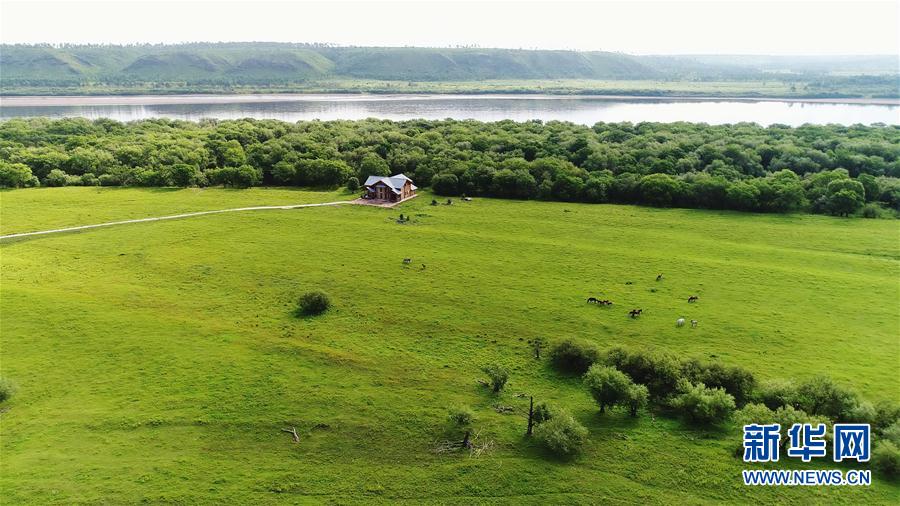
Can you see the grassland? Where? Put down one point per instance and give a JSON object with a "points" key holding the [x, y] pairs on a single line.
{"points": [[158, 362]]}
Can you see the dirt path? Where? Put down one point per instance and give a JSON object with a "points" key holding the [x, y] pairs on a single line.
{"points": [[171, 217]]}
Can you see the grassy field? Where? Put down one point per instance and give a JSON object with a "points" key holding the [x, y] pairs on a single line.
{"points": [[158, 362]]}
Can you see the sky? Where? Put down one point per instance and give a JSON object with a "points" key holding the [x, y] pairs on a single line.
{"points": [[790, 27]]}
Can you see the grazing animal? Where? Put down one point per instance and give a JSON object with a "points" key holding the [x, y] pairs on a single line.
{"points": [[679, 322], [693, 298], [693, 324], [606, 302], [406, 261], [592, 300], [634, 313], [659, 277]]}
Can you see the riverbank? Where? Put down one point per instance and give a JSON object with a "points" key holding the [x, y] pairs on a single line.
{"points": [[632, 89], [208, 99]]}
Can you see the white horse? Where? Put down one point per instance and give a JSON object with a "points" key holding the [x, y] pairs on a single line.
{"points": [[694, 323], [679, 322]]}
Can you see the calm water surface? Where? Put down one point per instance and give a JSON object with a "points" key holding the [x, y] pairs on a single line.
{"points": [[583, 110]]}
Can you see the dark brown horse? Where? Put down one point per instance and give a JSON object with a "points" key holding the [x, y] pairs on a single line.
{"points": [[634, 313], [693, 298], [593, 300]]}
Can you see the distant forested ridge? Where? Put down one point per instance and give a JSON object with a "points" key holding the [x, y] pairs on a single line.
{"points": [[214, 66], [824, 169]]}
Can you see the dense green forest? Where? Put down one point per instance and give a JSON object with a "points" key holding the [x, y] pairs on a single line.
{"points": [[243, 67], [823, 169]]}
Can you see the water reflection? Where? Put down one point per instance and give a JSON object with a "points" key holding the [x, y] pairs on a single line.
{"points": [[581, 110]]}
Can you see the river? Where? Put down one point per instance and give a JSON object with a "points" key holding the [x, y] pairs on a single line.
{"points": [[581, 109]]}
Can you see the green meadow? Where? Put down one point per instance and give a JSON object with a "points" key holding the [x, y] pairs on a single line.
{"points": [[159, 362]]}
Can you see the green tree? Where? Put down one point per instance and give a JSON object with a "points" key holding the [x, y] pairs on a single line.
{"points": [[607, 385], [15, 175]]}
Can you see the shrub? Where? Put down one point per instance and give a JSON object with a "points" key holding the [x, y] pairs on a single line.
{"points": [[892, 433], [543, 412], [561, 434], [89, 179], [660, 372], [497, 375], [636, 398], [7, 389], [14, 175], [56, 177], [871, 211], [607, 385], [735, 380], [461, 416], [776, 393], [822, 396], [887, 413], [573, 356], [886, 459], [313, 303], [445, 184], [109, 180], [352, 184], [702, 405]]}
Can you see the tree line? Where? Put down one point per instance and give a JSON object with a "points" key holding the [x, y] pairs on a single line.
{"points": [[817, 168]]}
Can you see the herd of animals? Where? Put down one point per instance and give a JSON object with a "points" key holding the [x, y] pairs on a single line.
{"points": [[634, 313]]}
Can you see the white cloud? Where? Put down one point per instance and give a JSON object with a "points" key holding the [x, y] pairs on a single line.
{"points": [[667, 27]]}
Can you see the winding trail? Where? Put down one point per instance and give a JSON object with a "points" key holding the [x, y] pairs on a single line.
{"points": [[170, 217]]}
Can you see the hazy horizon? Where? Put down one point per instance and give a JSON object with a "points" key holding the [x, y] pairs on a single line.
{"points": [[331, 44], [643, 27]]}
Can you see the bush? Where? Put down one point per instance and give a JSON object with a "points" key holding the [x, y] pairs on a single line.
{"points": [[461, 416], [561, 434], [445, 184], [892, 433], [822, 396], [353, 184], [636, 398], [702, 405], [735, 380], [57, 178], [871, 211], [7, 389], [89, 179], [14, 175], [313, 303], [497, 375], [573, 356], [660, 372], [607, 385], [886, 460], [109, 180], [776, 393], [543, 412]]}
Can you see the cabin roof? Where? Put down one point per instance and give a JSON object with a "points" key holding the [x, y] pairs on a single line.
{"points": [[395, 182]]}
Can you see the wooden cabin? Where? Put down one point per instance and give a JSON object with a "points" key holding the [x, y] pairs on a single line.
{"points": [[389, 188]]}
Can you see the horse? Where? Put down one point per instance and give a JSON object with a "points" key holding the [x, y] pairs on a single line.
{"points": [[659, 277], [606, 302], [693, 298], [679, 322], [693, 324], [407, 261], [593, 300], [634, 313]]}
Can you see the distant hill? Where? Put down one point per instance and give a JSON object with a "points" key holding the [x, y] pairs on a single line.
{"points": [[260, 64]]}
